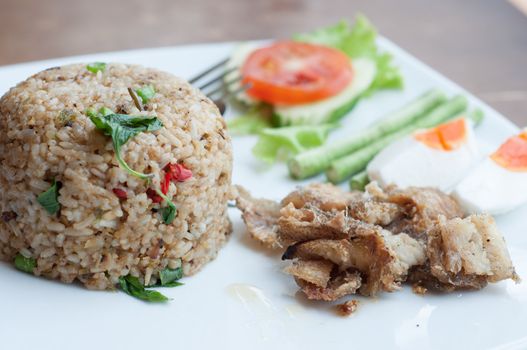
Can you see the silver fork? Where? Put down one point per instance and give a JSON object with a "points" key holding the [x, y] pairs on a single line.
{"points": [[212, 83]]}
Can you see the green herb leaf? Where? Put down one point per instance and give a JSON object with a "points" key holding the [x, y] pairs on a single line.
{"points": [[25, 264], [168, 277], [104, 111], [90, 112], [284, 142], [122, 127], [49, 199], [146, 93], [172, 284], [131, 286], [359, 41], [168, 213], [96, 67]]}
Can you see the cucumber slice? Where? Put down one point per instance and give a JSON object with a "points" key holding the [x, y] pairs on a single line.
{"points": [[332, 109], [238, 57]]}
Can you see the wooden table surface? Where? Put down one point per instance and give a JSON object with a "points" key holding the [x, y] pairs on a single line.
{"points": [[480, 44]]}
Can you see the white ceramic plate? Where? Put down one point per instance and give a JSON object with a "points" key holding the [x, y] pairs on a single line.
{"points": [[242, 300]]}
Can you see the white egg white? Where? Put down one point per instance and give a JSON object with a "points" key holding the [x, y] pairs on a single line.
{"points": [[408, 162], [491, 188]]}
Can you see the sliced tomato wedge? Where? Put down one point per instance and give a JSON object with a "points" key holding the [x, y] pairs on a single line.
{"points": [[512, 155], [445, 137], [289, 73]]}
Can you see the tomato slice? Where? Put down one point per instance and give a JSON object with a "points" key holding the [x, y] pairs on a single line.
{"points": [[289, 73], [512, 155], [445, 137]]}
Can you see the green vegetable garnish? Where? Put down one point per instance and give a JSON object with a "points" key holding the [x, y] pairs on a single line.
{"points": [[359, 181], [358, 41], [168, 277], [318, 159], [96, 67], [387, 77], [168, 213], [131, 286], [353, 163], [25, 264], [49, 199], [284, 142], [104, 111], [122, 127], [146, 93], [254, 120]]}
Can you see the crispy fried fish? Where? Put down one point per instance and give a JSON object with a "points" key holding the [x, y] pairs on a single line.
{"points": [[343, 243], [260, 216], [464, 253]]}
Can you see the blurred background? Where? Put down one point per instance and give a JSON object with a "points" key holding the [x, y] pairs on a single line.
{"points": [[480, 44]]}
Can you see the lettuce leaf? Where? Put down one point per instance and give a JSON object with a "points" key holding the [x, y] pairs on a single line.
{"points": [[252, 122], [359, 41], [284, 142]]}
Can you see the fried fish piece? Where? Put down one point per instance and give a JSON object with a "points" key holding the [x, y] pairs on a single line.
{"points": [[495, 247], [382, 258], [346, 283], [408, 252], [347, 308], [375, 212], [465, 254], [343, 243], [422, 207], [316, 272], [324, 196], [260, 217], [307, 223], [339, 252]]}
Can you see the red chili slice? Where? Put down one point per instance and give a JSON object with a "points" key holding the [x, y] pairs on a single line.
{"points": [[120, 193], [178, 172], [166, 182], [152, 194]]}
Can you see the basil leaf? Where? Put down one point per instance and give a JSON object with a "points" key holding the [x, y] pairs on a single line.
{"points": [[152, 296], [49, 199], [146, 93], [131, 286], [172, 284], [128, 125], [104, 111], [122, 127], [96, 67], [168, 213], [168, 276], [25, 264]]}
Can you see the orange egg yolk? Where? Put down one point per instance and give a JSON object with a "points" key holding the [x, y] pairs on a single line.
{"points": [[445, 137], [512, 155]]}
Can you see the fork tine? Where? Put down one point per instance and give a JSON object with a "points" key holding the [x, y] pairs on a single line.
{"points": [[209, 70], [227, 93], [222, 89], [224, 85], [218, 77]]}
